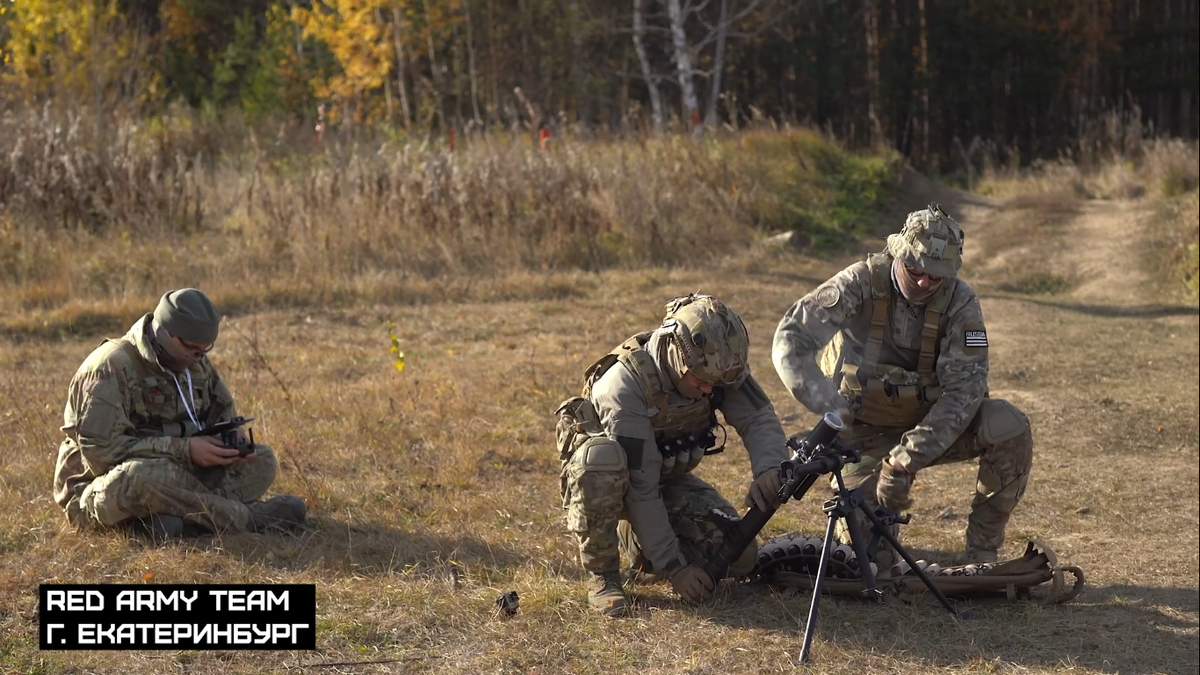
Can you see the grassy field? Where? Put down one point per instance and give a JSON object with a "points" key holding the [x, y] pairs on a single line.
{"points": [[435, 489]]}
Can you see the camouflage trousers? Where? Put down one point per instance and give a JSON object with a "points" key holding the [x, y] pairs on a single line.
{"points": [[691, 504], [594, 495], [999, 435], [212, 497]]}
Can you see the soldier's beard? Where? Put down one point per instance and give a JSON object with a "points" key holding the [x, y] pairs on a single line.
{"points": [[908, 285]]}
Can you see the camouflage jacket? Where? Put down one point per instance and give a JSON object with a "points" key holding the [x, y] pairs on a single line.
{"points": [[122, 405], [843, 305], [626, 416]]}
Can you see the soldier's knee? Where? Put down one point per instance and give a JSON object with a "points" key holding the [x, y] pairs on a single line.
{"points": [[265, 463], [128, 490], [1000, 421], [597, 478], [1006, 434]]}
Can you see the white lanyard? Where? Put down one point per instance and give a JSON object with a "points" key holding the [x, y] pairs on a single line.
{"points": [[184, 399]]}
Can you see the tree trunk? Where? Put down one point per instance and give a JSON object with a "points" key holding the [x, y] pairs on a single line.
{"points": [[387, 83], [683, 63], [923, 83], [714, 93], [471, 65], [433, 65], [871, 19], [639, 27], [402, 88]]}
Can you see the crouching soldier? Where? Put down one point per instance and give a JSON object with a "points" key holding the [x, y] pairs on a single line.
{"points": [[904, 352], [630, 444]]}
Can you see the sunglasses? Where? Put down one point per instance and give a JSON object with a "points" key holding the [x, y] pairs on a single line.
{"points": [[918, 273], [194, 350]]}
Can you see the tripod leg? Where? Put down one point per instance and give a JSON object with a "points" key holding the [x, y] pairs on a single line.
{"points": [[864, 562], [810, 625], [879, 527]]}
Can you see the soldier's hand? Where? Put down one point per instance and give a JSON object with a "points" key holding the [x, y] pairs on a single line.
{"points": [[692, 584], [208, 451], [764, 491], [894, 486]]}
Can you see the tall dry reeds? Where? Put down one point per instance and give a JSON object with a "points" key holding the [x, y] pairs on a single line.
{"points": [[94, 215]]}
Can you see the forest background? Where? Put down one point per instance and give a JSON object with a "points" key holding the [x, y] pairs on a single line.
{"points": [[422, 219], [337, 149], [933, 79]]}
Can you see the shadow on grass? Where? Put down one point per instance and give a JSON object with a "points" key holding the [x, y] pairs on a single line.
{"points": [[367, 549], [1126, 629]]}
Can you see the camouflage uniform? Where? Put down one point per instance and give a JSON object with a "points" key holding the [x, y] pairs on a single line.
{"points": [[914, 377], [626, 484], [126, 451]]}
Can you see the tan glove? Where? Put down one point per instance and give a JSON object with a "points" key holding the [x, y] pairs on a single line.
{"points": [[764, 491], [692, 584], [894, 486]]}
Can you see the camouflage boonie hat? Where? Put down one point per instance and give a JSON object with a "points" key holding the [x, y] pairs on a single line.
{"points": [[711, 337], [931, 241]]}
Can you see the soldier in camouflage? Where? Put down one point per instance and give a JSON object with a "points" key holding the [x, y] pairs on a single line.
{"points": [[903, 352], [630, 443], [135, 454]]}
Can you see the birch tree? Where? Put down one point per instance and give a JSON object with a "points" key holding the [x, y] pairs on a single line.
{"points": [[639, 29], [683, 65]]}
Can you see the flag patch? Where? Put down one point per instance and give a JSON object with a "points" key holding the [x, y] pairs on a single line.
{"points": [[975, 338]]}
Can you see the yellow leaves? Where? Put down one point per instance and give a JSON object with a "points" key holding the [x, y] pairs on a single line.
{"points": [[64, 44], [355, 33], [397, 354]]}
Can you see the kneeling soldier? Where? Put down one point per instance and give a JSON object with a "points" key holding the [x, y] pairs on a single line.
{"points": [[630, 443]]}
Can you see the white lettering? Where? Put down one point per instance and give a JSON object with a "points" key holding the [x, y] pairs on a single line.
{"points": [[75, 601]]}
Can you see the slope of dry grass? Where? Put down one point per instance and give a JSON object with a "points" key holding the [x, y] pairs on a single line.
{"points": [[94, 222], [450, 465]]}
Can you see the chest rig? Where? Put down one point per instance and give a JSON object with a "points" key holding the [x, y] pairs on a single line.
{"points": [[684, 433], [891, 394], [156, 411]]}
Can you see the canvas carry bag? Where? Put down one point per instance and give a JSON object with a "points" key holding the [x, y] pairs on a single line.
{"points": [[1036, 575]]}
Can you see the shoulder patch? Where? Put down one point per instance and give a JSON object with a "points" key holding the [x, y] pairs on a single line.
{"points": [[975, 337], [828, 295]]}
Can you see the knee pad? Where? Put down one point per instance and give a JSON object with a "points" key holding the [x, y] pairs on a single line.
{"points": [[597, 479], [1000, 421]]}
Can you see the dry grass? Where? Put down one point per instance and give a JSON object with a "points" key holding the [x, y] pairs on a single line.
{"points": [[387, 221], [452, 461]]}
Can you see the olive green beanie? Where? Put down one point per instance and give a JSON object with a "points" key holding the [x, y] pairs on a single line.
{"points": [[188, 314]]}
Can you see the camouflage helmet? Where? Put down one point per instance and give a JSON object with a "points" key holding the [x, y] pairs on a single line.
{"points": [[931, 241], [708, 339]]}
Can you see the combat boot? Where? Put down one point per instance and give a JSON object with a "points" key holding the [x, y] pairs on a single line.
{"points": [[978, 556], [158, 528], [282, 514], [606, 596]]}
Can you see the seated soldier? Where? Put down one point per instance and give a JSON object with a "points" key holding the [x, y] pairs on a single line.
{"points": [[136, 455], [629, 446], [906, 357]]}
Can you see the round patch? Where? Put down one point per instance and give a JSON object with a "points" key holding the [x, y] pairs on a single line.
{"points": [[828, 296]]}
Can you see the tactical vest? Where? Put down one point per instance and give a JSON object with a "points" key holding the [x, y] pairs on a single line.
{"points": [[684, 434], [148, 410], [889, 395]]}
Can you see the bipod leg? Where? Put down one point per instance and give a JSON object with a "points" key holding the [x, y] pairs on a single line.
{"points": [[810, 625], [883, 531], [847, 502]]}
